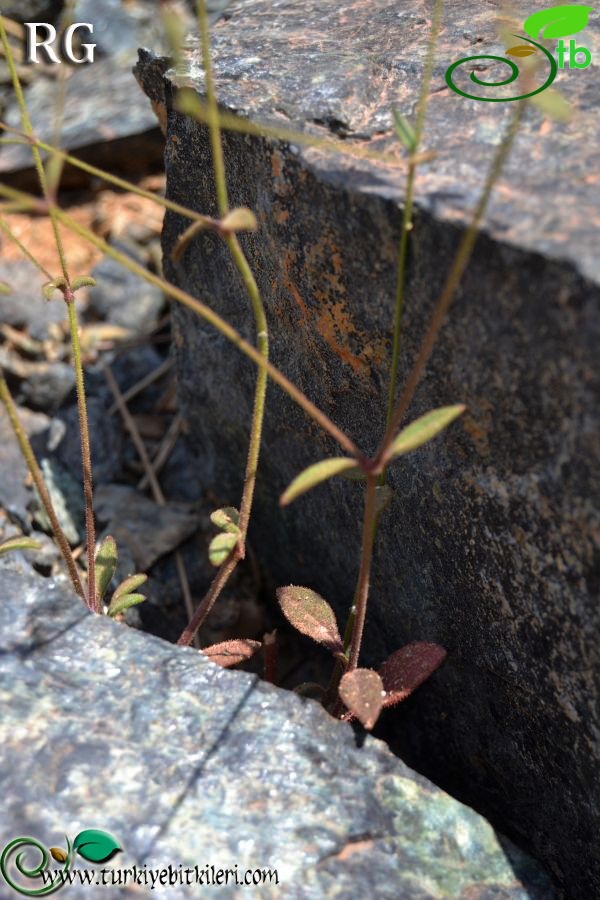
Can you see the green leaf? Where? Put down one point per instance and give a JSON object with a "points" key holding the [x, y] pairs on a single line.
{"points": [[362, 692], [227, 519], [240, 219], [311, 615], [5, 288], [54, 285], [553, 105], [95, 846], [557, 21], [129, 585], [404, 130], [105, 565], [221, 546], [314, 475], [424, 429], [19, 543], [83, 281], [120, 604]]}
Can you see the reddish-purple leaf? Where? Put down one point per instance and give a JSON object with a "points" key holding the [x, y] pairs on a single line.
{"points": [[311, 615], [407, 668], [230, 653], [362, 692]]}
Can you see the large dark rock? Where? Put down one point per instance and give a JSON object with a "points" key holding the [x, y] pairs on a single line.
{"points": [[488, 546], [189, 765]]}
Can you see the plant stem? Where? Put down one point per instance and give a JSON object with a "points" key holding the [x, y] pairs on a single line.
{"points": [[408, 205], [86, 457], [366, 556], [28, 130], [204, 608], [38, 480], [446, 296], [213, 112], [262, 338], [49, 194]]}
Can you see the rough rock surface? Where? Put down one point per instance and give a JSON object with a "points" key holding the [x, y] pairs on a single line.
{"points": [[488, 546], [190, 765]]}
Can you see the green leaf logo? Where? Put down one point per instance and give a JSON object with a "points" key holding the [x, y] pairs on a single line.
{"points": [[95, 846], [557, 21]]}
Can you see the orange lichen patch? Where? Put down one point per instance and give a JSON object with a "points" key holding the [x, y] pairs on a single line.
{"points": [[280, 215], [478, 424], [288, 260], [329, 316], [332, 321], [276, 164]]}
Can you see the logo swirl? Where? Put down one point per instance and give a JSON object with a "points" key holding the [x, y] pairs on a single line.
{"points": [[23, 844], [512, 77]]}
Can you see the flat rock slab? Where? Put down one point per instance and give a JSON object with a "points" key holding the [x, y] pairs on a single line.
{"points": [[105, 119], [488, 547], [190, 765]]}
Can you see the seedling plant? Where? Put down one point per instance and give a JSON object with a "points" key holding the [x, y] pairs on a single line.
{"points": [[353, 691]]}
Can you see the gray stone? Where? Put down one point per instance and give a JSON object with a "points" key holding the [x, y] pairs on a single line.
{"points": [[121, 298], [148, 531], [488, 546], [190, 765], [107, 450], [66, 494], [33, 10], [25, 306], [15, 494], [105, 118], [48, 386]]}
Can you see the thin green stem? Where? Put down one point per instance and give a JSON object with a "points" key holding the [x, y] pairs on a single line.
{"points": [[407, 223], [38, 480], [49, 192], [364, 575], [86, 458], [262, 339], [204, 608], [459, 264], [213, 112], [28, 130]]}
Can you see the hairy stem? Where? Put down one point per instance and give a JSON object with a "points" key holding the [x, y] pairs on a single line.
{"points": [[262, 338], [49, 194], [408, 205], [28, 130], [459, 264], [38, 480], [86, 456], [364, 575]]}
